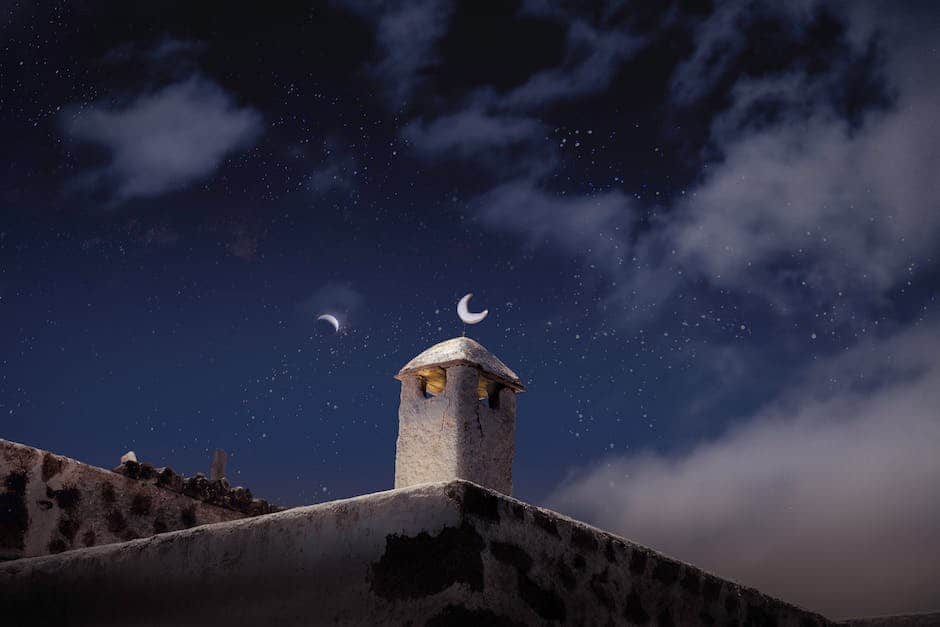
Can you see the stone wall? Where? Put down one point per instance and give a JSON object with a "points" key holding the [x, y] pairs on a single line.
{"points": [[437, 554], [50, 503]]}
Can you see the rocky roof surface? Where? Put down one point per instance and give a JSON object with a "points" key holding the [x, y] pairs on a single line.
{"points": [[214, 492]]}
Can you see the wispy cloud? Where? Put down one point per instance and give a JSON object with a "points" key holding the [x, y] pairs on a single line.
{"points": [[407, 33], [813, 197], [470, 132], [591, 59], [339, 298], [826, 498], [594, 227], [164, 140]]}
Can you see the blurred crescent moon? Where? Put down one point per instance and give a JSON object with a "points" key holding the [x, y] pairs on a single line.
{"points": [[331, 319], [464, 313]]}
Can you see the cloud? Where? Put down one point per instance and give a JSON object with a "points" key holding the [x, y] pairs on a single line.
{"points": [[334, 297], [825, 498], [812, 196], [592, 56], [170, 48], [163, 141], [338, 170], [722, 38], [407, 33], [469, 132], [243, 244], [594, 227]]}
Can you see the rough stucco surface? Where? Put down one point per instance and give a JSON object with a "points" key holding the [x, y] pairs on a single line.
{"points": [[931, 619], [50, 503], [455, 435], [438, 554]]}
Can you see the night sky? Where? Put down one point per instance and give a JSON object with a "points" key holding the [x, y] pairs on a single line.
{"points": [[706, 234]]}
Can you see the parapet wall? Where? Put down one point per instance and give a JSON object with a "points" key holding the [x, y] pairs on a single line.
{"points": [[435, 554], [50, 503]]}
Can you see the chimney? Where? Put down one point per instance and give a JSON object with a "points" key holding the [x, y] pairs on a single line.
{"points": [[457, 417]]}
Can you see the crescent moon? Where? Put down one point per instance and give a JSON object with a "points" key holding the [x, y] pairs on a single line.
{"points": [[331, 319], [464, 313]]}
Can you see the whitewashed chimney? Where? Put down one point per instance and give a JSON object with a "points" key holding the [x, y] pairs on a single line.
{"points": [[457, 418]]}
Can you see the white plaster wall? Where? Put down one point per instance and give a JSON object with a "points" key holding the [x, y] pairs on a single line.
{"points": [[437, 554], [305, 566], [455, 435]]}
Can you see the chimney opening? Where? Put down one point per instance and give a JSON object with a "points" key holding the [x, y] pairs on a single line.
{"points": [[492, 394], [432, 383]]}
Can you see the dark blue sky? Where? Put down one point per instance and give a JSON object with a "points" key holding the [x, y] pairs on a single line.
{"points": [[679, 219]]}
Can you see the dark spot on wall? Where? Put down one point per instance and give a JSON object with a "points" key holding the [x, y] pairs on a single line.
{"points": [[665, 619], [518, 511], [666, 572], [546, 603], [132, 469], [159, 526], [129, 534], [599, 586], [418, 566], [511, 554], [88, 538], [57, 546], [480, 503], [44, 505], [545, 522], [638, 562], [188, 516], [583, 539], [760, 617], [711, 588], [460, 616], [609, 551], [107, 493], [140, 505], [579, 562], [706, 618], [633, 610], [14, 518], [67, 498], [147, 471], [116, 522], [51, 466], [566, 575], [16, 483], [690, 583], [731, 602], [68, 528]]}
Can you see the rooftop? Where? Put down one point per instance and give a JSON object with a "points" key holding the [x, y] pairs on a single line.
{"points": [[449, 553], [457, 351]]}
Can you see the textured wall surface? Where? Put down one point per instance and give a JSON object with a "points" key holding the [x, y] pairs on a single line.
{"points": [[931, 619], [455, 435], [439, 554], [50, 504]]}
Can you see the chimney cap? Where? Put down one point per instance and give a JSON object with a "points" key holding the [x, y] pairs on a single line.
{"points": [[462, 350]]}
